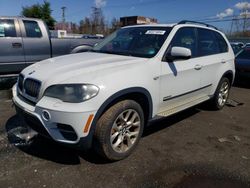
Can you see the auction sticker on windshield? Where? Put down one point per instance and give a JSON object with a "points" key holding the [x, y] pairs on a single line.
{"points": [[155, 32]]}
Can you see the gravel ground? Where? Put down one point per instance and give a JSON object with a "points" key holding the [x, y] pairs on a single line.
{"points": [[194, 148]]}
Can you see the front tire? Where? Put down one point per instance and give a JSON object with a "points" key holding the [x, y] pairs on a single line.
{"points": [[118, 130], [221, 94]]}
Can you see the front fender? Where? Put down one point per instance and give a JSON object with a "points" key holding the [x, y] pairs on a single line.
{"points": [[112, 98]]}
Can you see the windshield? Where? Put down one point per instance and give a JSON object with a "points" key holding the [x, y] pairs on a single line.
{"points": [[244, 54], [134, 41]]}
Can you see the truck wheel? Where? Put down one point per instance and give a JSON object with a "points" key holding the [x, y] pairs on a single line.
{"points": [[221, 94], [118, 130]]}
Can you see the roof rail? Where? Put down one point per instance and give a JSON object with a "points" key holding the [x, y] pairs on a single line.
{"points": [[198, 23]]}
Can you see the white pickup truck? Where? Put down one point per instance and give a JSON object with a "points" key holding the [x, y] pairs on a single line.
{"points": [[104, 98]]}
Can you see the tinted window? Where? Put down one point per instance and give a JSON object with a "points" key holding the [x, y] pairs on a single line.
{"points": [[32, 29], [236, 48], [7, 28], [222, 43], [207, 43], [185, 37], [244, 54]]}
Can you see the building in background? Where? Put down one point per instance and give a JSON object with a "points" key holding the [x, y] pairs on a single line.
{"points": [[58, 33], [68, 26], [137, 20]]}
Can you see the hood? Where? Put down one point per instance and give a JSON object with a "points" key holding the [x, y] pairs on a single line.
{"points": [[63, 68]]}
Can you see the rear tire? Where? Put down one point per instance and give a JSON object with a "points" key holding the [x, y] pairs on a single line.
{"points": [[221, 94], [118, 130]]}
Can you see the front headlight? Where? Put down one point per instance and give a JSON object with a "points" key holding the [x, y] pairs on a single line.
{"points": [[73, 93]]}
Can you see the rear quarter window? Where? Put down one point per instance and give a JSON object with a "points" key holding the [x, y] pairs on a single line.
{"points": [[222, 43], [207, 43]]}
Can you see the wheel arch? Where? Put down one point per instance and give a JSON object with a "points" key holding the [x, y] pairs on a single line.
{"points": [[230, 75], [139, 94], [81, 48]]}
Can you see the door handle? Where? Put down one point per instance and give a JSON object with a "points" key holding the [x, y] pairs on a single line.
{"points": [[223, 61], [197, 67], [16, 45]]}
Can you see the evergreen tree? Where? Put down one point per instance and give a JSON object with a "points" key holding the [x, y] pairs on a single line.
{"points": [[41, 11]]}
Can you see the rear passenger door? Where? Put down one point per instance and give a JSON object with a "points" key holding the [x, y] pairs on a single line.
{"points": [[35, 40], [212, 50], [11, 47]]}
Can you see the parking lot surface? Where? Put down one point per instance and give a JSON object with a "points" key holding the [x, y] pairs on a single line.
{"points": [[194, 148]]}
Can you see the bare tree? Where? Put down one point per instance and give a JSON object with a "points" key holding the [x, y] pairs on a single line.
{"points": [[97, 21], [85, 26], [115, 24]]}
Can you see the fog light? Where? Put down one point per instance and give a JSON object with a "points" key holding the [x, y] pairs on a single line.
{"points": [[46, 115]]}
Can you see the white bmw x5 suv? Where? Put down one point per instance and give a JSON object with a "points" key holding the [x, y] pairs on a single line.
{"points": [[104, 98]]}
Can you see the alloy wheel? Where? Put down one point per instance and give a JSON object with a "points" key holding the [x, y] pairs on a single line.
{"points": [[125, 130], [223, 93]]}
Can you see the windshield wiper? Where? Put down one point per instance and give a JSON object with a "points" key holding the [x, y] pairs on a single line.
{"points": [[114, 52]]}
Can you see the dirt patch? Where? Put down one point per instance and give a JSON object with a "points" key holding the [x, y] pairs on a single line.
{"points": [[209, 182]]}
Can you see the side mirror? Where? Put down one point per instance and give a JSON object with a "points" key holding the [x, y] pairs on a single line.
{"points": [[179, 53]]}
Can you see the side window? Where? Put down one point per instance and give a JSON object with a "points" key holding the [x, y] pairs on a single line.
{"points": [[207, 43], [222, 43], [185, 37], [32, 29], [7, 28]]}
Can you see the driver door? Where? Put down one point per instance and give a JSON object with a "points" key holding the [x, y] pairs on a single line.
{"points": [[180, 79]]}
